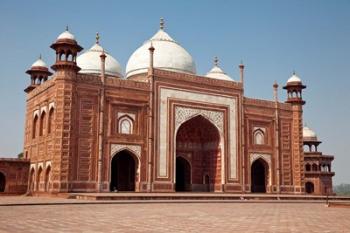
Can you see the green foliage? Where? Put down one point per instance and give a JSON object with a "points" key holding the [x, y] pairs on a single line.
{"points": [[20, 155], [342, 189]]}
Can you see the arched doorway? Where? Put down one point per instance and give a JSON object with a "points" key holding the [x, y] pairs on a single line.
{"points": [[198, 143], [309, 187], [259, 173], [31, 180], [38, 179], [2, 182], [123, 172], [47, 178], [183, 175]]}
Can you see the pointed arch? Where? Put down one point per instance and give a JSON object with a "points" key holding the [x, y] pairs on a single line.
{"points": [[50, 120], [259, 137], [200, 140], [38, 178], [125, 125], [124, 172], [35, 126], [259, 176], [31, 185], [309, 187], [47, 178], [2, 182], [42, 124]]}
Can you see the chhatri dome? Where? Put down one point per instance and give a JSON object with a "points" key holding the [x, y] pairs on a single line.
{"points": [[309, 134], [217, 73], [66, 35], [168, 55], [294, 79], [90, 61], [39, 63]]}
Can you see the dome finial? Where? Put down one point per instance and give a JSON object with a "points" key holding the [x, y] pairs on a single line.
{"points": [[67, 29], [40, 56], [161, 24], [216, 61], [294, 72], [97, 38]]}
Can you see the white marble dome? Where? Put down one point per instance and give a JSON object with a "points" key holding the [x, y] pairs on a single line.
{"points": [[90, 62], [294, 78], [66, 35], [168, 55], [309, 134], [39, 63], [217, 73]]}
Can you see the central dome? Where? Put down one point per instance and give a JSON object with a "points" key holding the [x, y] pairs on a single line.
{"points": [[90, 62], [168, 55]]}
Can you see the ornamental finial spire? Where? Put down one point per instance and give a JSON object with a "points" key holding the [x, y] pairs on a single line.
{"points": [[67, 29], [97, 38], [161, 24], [216, 61], [40, 56]]}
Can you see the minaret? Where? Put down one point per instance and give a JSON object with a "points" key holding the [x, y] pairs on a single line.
{"points": [[39, 73], [241, 72], [294, 89], [150, 125], [65, 141], [277, 137]]}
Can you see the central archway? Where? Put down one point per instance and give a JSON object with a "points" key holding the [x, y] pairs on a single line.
{"points": [[259, 171], [198, 156], [2, 182], [123, 172]]}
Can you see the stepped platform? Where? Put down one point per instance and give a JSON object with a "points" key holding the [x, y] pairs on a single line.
{"points": [[189, 196]]}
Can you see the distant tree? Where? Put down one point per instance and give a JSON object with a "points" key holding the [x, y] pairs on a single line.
{"points": [[342, 189], [20, 155]]}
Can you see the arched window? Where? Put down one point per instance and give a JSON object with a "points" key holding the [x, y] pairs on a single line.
{"points": [[307, 167], [259, 137], [35, 124], [42, 124], [125, 125], [314, 167], [50, 121]]}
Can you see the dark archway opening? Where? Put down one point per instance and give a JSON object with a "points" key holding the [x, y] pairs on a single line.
{"points": [[198, 146], [309, 187], [2, 182], [123, 172], [258, 176], [183, 175]]}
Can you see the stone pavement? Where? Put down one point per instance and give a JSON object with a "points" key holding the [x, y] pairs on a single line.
{"points": [[172, 217]]}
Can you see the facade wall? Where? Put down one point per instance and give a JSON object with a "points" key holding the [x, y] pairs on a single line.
{"points": [[13, 176], [144, 118]]}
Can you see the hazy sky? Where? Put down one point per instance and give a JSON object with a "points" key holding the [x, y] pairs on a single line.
{"points": [[273, 38]]}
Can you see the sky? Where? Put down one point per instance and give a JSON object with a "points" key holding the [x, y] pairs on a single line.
{"points": [[272, 37]]}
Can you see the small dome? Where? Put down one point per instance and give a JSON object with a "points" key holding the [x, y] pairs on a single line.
{"points": [[308, 134], [90, 62], [168, 55], [66, 35], [39, 63], [217, 73], [294, 78]]}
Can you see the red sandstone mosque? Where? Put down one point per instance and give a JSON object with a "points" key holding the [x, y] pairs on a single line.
{"points": [[159, 127]]}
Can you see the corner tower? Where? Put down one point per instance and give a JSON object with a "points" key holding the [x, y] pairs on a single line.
{"points": [[66, 68], [294, 89]]}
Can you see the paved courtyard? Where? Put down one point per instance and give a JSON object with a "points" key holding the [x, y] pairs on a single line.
{"points": [[175, 217]]}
